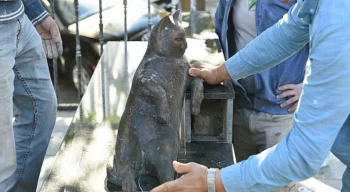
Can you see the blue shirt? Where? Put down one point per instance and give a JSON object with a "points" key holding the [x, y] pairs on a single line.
{"points": [[10, 10], [263, 86], [325, 101]]}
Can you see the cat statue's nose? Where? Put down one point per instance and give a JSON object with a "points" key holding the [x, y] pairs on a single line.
{"points": [[184, 46]]}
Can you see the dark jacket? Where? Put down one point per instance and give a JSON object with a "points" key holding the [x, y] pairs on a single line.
{"points": [[264, 88], [11, 10]]}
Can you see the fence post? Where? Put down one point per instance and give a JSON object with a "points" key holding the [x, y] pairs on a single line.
{"points": [[54, 60], [78, 48], [193, 16], [149, 19], [125, 33], [101, 63]]}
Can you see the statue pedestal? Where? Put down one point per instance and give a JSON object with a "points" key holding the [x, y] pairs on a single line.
{"points": [[213, 154]]}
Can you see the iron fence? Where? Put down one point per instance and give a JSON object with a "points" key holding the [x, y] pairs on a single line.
{"points": [[78, 51]]}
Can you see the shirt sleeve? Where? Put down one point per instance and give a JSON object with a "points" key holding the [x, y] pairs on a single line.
{"points": [[323, 107], [35, 11]]}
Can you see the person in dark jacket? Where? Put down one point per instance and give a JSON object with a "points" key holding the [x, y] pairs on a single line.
{"points": [[27, 33], [265, 101]]}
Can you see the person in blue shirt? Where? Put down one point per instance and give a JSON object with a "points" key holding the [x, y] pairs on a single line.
{"points": [[264, 101], [321, 121], [27, 33]]}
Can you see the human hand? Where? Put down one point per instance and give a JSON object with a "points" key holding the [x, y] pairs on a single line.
{"points": [[293, 91], [194, 179], [51, 38], [211, 74]]}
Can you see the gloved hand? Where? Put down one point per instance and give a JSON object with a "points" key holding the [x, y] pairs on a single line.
{"points": [[51, 38]]}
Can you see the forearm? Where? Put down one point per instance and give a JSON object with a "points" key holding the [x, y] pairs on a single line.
{"points": [[218, 183], [270, 48], [35, 11]]}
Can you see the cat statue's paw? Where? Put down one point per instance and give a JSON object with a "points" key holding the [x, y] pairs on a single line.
{"points": [[164, 116]]}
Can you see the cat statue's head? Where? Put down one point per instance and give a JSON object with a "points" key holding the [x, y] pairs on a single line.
{"points": [[168, 38]]}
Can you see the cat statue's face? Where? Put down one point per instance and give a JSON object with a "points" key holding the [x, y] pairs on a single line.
{"points": [[168, 38]]}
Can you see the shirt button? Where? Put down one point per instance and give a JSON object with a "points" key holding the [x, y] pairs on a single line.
{"points": [[312, 11], [315, 102]]}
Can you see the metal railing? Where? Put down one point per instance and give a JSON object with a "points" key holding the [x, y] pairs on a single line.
{"points": [[78, 52]]}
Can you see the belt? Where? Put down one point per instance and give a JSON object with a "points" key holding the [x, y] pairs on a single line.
{"points": [[8, 0]]}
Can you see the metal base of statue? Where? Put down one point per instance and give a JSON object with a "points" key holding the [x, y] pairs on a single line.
{"points": [[146, 183]]}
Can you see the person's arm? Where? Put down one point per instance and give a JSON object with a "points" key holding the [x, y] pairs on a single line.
{"points": [[46, 27], [35, 11]]}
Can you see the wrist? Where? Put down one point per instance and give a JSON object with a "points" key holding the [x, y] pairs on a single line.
{"points": [[222, 74], [219, 186]]}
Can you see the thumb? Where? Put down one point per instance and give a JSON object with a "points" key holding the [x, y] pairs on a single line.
{"points": [[195, 72], [181, 167]]}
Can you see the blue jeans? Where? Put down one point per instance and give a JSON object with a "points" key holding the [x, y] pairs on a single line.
{"points": [[341, 149], [27, 94]]}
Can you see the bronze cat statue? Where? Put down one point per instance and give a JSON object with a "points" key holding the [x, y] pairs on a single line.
{"points": [[148, 133]]}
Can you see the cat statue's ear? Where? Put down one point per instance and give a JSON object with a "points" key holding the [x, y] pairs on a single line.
{"points": [[176, 16], [174, 19]]}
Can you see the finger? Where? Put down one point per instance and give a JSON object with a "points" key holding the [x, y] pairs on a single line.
{"points": [[287, 86], [181, 167], [59, 47], [291, 109], [286, 94], [49, 49], [167, 187], [54, 49], [194, 72], [289, 101], [58, 42], [44, 46], [55, 33]]}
